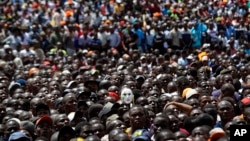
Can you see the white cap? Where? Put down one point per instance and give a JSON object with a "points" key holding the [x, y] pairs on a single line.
{"points": [[204, 58], [191, 92]]}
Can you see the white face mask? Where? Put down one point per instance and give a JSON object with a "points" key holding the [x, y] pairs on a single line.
{"points": [[127, 96]]}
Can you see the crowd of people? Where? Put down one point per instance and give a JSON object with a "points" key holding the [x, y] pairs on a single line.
{"points": [[123, 70]]}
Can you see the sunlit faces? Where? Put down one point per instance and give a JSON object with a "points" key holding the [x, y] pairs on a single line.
{"points": [[127, 95]]}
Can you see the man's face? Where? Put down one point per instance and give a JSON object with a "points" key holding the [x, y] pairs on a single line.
{"points": [[146, 87], [225, 110], [142, 101], [62, 120], [199, 132], [11, 127], [174, 123], [98, 130], [137, 117], [204, 100], [3, 95], [86, 131], [70, 103], [44, 129], [159, 124]]}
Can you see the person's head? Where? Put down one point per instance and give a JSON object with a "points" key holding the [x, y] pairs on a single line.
{"points": [[246, 114], [33, 104], [180, 136], [172, 109], [152, 102], [121, 137], [227, 78], [200, 132], [204, 100], [114, 133], [66, 133], [44, 126], [239, 121], [127, 95], [11, 127], [227, 127], [160, 123], [142, 101], [225, 110], [211, 110], [163, 100], [174, 123], [165, 135], [93, 138], [227, 90], [86, 131], [193, 102], [114, 124], [70, 103], [98, 129], [137, 117], [196, 112], [42, 109], [146, 87], [182, 83], [102, 93], [60, 121]]}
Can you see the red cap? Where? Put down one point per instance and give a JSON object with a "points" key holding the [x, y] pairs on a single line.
{"points": [[114, 95], [45, 118], [245, 101]]}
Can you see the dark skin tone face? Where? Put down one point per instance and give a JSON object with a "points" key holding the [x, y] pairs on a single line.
{"points": [[204, 100], [98, 129], [199, 132], [146, 87], [174, 123], [69, 102], [3, 95], [246, 114], [160, 123], [225, 110], [195, 112], [137, 118], [11, 127], [180, 135], [62, 120], [142, 101], [194, 102], [86, 131]]}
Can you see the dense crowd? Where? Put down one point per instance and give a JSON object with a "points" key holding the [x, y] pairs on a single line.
{"points": [[124, 70]]}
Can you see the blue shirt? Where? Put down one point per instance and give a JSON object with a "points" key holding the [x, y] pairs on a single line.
{"points": [[140, 35]]}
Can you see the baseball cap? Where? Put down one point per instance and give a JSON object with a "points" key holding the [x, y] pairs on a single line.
{"points": [[107, 108], [245, 101], [45, 118], [18, 136], [191, 92]]}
